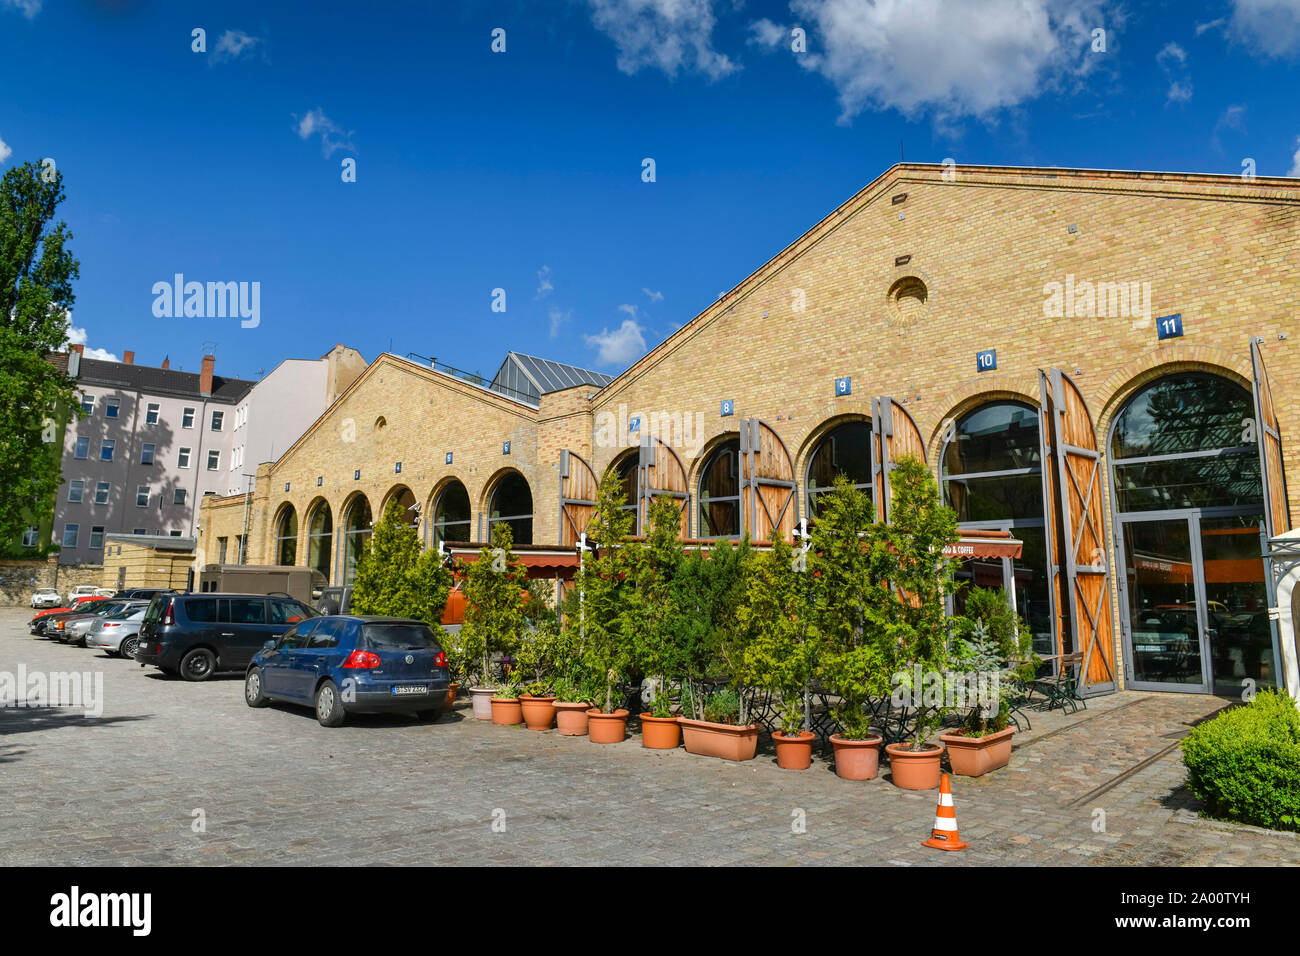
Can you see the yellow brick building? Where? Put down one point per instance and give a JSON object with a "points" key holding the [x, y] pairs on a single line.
{"points": [[1102, 363]]}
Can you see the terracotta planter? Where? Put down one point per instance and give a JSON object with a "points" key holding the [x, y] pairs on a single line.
{"points": [[481, 698], [539, 712], [856, 759], [914, 769], [507, 711], [793, 752], [571, 718], [975, 756], [660, 733], [605, 728], [451, 694], [728, 741]]}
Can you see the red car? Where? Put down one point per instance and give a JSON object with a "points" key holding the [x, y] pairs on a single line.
{"points": [[37, 624]]}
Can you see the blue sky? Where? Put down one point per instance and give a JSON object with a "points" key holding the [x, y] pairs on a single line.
{"points": [[522, 170]]}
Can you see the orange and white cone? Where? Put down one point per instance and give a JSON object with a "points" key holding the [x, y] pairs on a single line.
{"points": [[945, 836]]}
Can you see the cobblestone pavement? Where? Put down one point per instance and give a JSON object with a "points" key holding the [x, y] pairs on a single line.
{"points": [[275, 787]]}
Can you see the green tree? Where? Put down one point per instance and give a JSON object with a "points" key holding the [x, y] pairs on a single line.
{"points": [[653, 568], [495, 615], [36, 297], [708, 592], [396, 577]]}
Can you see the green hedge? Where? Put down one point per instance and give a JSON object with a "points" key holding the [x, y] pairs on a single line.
{"points": [[1245, 763]]}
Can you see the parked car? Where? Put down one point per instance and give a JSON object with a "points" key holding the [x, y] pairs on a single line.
{"points": [[43, 619], [198, 635], [348, 664], [145, 593], [118, 633], [73, 628], [46, 597], [334, 600], [81, 590]]}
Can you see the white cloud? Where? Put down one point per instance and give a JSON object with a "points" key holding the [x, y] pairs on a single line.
{"points": [[1172, 58], [669, 35], [544, 284], [1170, 55], [28, 8], [1270, 27], [332, 138], [1179, 92], [558, 318], [77, 336], [5, 151], [1295, 160], [766, 33], [952, 58], [621, 347], [233, 44], [653, 296], [629, 309], [1212, 25]]}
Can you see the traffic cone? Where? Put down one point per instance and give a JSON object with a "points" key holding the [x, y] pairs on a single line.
{"points": [[944, 835]]}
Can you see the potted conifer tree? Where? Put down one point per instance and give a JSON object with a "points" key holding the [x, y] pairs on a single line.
{"points": [[604, 589], [494, 619], [648, 619]]}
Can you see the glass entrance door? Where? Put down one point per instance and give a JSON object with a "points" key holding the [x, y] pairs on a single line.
{"points": [[1196, 604], [1163, 607]]}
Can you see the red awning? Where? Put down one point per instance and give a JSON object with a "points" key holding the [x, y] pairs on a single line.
{"points": [[539, 561], [980, 543]]}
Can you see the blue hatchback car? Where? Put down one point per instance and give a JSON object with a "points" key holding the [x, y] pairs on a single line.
{"points": [[343, 664]]}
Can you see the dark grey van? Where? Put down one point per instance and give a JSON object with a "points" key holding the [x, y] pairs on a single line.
{"points": [[198, 635]]}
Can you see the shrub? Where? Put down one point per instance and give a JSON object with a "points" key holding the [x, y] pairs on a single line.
{"points": [[1245, 763]]}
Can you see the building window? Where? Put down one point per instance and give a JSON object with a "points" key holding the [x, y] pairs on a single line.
{"points": [[88, 403], [146, 453], [138, 531], [214, 460], [451, 514], [187, 418], [83, 448], [221, 550], [320, 539], [151, 413], [174, 534], [111, 407], [218, 418], [96, 537], [178, 496], [357, 533], [512, 503], [183, 458], [75, 491], [106, 449], [720, 492], [101, 492], [70, 535], [142, 496], [845, 450], [286, 537], [31, 536]]}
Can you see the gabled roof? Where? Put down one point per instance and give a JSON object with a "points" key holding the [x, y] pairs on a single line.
{"points": [[546, 376], [160, 381]]}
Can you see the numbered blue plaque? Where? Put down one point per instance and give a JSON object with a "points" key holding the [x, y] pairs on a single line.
{"points": [[844, 386], [728, 407], [986, 361], [1169, 326]]}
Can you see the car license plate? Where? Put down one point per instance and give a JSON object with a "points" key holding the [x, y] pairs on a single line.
{"points": [[403, 690]]}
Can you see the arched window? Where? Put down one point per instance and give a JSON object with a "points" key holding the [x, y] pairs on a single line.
{"points": [[406, 501], [719, 493], [320, 538], [1186, 441], [512, 502], [286, 537], [1189, 506], [451, 514], [628, 472], [357, 530], [992, 476], [846, 450]]}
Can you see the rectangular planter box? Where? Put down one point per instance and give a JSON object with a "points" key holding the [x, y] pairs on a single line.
{"points": [[976, 756], [719, 740]]}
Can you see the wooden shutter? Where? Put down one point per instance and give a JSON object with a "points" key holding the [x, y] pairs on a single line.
{"points": [[660, 472], [767, 485], [1058, 613], [578, 488], [1084, 573], [893, 435], [1277, 516]]}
